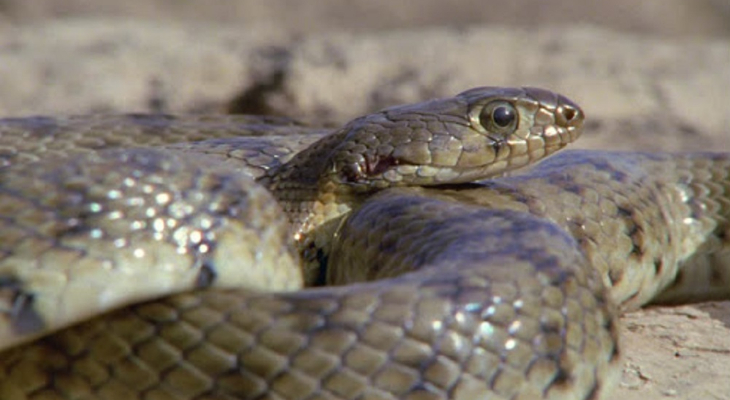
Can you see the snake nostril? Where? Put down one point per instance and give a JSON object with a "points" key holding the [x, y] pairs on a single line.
{"points": [[569, 115]]}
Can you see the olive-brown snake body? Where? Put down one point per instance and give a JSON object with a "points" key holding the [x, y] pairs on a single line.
{"points": [[509, 288]]}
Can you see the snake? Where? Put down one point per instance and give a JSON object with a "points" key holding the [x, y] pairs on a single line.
{"points": [[425, 251]]}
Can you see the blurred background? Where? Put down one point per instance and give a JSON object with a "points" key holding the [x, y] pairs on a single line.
{"points": [[664, 17], [661, 67], [326, 61]]}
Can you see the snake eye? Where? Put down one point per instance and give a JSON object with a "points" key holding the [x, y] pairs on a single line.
{"points": [[499, 117]]}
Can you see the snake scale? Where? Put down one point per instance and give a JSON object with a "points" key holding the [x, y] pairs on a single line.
{"points": [[158, 257]]}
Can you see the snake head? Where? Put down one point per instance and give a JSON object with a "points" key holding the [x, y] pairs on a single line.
{"points": [[475, 135]]}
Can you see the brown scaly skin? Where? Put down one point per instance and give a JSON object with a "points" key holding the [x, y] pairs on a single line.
{"points": [[506, 289], [442, 141]]}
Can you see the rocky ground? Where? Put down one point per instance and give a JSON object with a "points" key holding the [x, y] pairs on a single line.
{"points": [[651, 77]]}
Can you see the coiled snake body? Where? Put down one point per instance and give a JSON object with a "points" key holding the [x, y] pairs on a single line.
{"points": [[193, 236]]}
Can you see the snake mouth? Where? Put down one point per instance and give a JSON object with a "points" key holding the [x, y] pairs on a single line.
{"points": [[380, 172], [374, 172]]}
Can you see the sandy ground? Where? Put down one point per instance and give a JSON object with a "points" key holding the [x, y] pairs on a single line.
{"points": [[645, 82]]}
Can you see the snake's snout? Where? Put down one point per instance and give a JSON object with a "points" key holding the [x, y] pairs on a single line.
{"points": [[564, 112], [568, 114]]}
